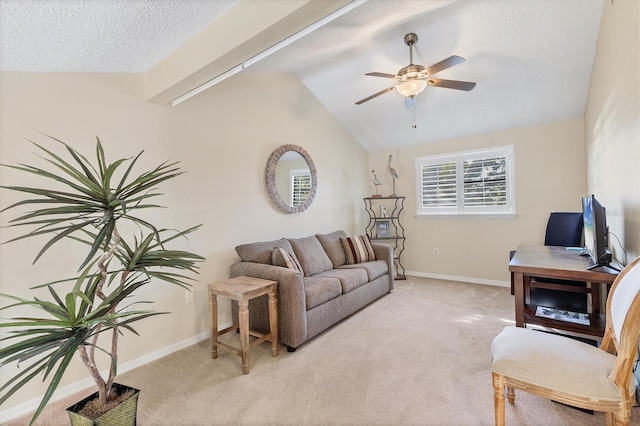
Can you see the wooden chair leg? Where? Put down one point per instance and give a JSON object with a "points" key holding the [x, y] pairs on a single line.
{"points": [[609, 418], [511, 394], [498, 399], [617, 420]]}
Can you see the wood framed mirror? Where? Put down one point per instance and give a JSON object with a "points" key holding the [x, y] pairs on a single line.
{"points": [[291, 178]]}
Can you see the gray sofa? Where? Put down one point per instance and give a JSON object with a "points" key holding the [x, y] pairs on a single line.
{"points": [[325, 292]]}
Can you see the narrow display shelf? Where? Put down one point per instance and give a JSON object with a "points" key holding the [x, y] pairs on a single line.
{"points": [[385, 226]]}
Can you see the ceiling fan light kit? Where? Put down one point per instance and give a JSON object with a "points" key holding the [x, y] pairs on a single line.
{"points": [[413, 79], [411, 88]]}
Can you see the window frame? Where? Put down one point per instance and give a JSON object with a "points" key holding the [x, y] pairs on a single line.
{"points": [[459, 210]]}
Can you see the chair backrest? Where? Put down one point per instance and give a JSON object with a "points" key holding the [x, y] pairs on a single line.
{"points": [[564, 229], [623, 321]]}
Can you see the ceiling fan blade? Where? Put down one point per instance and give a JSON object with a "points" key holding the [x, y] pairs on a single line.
{"points": [[444, 64], [382, 92], [380, 74], [451, 84]]}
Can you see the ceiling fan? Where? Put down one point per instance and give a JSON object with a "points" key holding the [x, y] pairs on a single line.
{"points": [[413, 79]]}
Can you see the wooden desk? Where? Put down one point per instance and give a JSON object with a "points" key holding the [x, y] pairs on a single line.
{"points": [[242, 289], [559, 263]]}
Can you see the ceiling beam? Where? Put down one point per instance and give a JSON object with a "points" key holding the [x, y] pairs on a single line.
{"points": [[244, 31]]}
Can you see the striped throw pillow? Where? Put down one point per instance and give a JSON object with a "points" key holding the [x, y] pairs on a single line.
{"points": [[281, 257], [358, 249]]}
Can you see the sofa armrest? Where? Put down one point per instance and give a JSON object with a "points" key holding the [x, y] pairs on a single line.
{"points": [[292, 307], [385, 252]]}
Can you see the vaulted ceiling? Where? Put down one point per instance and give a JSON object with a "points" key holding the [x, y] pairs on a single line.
{"points": [[531, 59]]}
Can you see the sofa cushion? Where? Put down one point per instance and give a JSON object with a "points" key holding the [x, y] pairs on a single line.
{"points": [[333, 247], [374, 269], [261, 252], [357, 249], [311, 255], [350, 278], [319, 290], [281, 257]]}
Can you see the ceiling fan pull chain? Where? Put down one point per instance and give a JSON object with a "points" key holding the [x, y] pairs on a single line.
{"points": [[413, 114]]}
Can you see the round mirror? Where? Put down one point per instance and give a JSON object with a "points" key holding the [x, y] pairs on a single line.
{"points": [[291, 178]]}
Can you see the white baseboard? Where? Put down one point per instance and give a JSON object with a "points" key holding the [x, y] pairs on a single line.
{"points": [[81, 385], [461, 279]]}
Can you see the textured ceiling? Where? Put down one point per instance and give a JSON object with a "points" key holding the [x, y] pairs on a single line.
{"points": [[531, 59], [119, 36]]}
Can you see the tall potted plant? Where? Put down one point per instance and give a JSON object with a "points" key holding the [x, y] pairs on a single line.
{"points": [[86, 203]]}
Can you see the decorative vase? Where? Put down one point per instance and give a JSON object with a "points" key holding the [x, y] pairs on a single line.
{"points": [[123, 414]]}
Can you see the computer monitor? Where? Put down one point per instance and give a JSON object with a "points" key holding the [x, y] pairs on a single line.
{"points": [[595, 232]]}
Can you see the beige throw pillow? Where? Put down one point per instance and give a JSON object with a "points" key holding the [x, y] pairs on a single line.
{"points": [[280, 257]]}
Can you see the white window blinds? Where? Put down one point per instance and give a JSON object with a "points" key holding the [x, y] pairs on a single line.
{"points": [[439, 186], [300, 187], [466, 183], [485, 182]]}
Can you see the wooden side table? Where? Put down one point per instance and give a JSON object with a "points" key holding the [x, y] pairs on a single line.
{"points": [[242, 289]]}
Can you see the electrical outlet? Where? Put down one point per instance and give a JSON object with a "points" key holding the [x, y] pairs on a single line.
{"points": [[436, 251], [188, 297]]}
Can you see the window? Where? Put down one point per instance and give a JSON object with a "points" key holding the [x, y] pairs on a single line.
{"points": [[300, 186], [466, 183]]}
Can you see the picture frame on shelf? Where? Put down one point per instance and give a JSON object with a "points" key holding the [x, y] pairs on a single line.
{"points": [[383, 229]]}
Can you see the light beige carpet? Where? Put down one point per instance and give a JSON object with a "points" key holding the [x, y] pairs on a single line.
{"points": [[418, 356]]}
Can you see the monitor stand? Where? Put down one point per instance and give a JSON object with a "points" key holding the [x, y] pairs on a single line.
{"points": [[603, 268]]}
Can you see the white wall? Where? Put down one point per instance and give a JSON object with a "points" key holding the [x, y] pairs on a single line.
{"points": [[549, 176], [222, 138], [612, 124]]}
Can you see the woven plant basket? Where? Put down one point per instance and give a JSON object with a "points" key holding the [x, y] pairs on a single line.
{"points": [[123, 414]]}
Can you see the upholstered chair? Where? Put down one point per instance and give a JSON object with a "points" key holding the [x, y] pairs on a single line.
{"points": [[570, 371]]}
